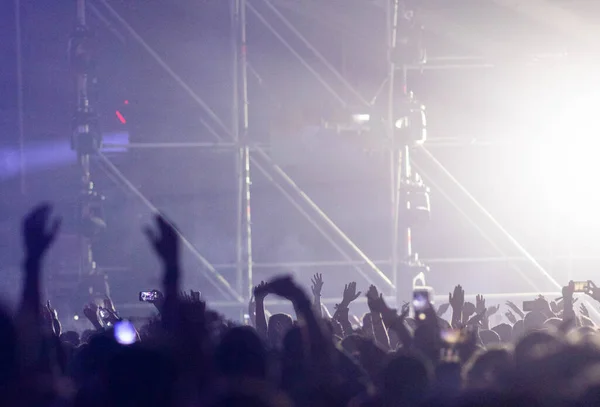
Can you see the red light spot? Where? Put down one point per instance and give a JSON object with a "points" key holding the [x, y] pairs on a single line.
{"points": [[120, 117], [126, 102]]}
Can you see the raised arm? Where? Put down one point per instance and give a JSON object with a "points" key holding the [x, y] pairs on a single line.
{"points": [[316, 287], [261, 320], [457, 301], [165, 241], [341, 312], [379, 331]]}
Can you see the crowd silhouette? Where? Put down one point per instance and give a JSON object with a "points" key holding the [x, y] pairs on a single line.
{"points": [[189, 355]]}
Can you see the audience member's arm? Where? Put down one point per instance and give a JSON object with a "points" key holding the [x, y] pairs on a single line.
{"points": [[457, 301], [515, 309], [568, 311], [480, 309], [395, 323], [320, 347], [261, 319], [38, 238], [316, 287], [341, 313], [91, 313], [252, 310], [379, 331], [468, 311], [166, 245], [442, 309]]}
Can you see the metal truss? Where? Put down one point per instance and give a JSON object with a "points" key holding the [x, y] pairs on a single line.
{"points": [[254, 157]]}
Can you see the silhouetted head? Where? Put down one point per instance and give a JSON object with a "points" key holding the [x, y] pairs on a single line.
{"points": [[533, 321], [489, 338], [140, 377], [488, 369], [241, 353], [553, 323], [535, 345], [518, 330], [278, 326], [406, 380], [504, 331], [350, 344], [293, 345], [70, 337]]}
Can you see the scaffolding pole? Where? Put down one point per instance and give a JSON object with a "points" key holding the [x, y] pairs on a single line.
{"points": [[83, 143], [244, 282]]}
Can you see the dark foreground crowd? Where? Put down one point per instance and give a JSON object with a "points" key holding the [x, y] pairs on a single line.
{"points": [[191, 356]]}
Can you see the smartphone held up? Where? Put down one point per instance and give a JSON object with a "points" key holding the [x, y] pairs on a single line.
{"points": [[148, 296], [422, 302]]}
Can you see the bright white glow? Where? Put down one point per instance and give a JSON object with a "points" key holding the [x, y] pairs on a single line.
{"points": [[400, 123], [361, 118], [125, 333], [76, 317], [568, 163]]}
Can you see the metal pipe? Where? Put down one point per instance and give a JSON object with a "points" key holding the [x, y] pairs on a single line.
{"points": [[170, 145], [235, 126], [244, 152], [222, 285], [392, 21], [87, 265]]}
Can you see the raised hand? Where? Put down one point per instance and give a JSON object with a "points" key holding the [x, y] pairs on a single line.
{"points": [[195, 295], [479, 304], [260, 291], [165, 241], [50, 319], [442, 309], [37, 236], [375, 300], [556, 306], [317, 285], [91, 313], [457, 299], [350, 293], [285, 287], [492, 309], [511, 317], [515, 309], [108, 316], [593, 291]]}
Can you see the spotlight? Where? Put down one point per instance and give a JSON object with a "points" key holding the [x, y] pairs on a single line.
{"points": [[361, 118], [411, 125], [76, 317]]}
